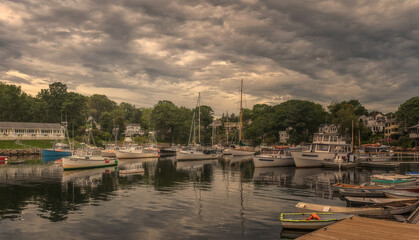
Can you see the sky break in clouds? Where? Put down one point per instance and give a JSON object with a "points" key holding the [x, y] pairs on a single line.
{"points": [[145, 51]]}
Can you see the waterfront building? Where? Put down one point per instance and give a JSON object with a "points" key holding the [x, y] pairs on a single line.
{"points": [[284, 135], [32, 131], [414, 133], [392, 129]]}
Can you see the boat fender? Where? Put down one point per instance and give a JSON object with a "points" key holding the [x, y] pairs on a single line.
{"points": [[313, 216], [107, 160]]}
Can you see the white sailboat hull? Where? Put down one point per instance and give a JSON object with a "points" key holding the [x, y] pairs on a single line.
{"points": [[311, 159], [272, 161], [236, 152], [84, 162]]}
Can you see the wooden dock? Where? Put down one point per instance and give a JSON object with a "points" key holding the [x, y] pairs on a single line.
{"points": [[365, 228]]}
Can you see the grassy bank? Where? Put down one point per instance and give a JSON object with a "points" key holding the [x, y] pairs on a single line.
{"points": [[10, 144]]}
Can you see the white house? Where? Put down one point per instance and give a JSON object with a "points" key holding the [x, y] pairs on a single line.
{"points": [[328, 133], [376, 122], [32, 131], [133, 129]]}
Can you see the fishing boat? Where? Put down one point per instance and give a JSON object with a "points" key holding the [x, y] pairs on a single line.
{"points": [[88, 156], [111, 148], [360, 201], [400, 194], [310, 221], [274, 158], [79, 162], [57, 151], [383, 211], [136, 151], [361, 193]]}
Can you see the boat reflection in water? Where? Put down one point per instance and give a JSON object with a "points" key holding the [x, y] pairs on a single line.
{"points": [[281, 176]]}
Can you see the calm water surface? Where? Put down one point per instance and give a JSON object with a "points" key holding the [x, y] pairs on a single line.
{"points": [[217, 199]]}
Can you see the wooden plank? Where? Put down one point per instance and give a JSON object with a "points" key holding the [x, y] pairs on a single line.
{"points": [[413, 215], [365, 228], [400, 218]]}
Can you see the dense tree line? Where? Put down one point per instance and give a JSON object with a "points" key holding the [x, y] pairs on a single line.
{"points": [[174, 124]]}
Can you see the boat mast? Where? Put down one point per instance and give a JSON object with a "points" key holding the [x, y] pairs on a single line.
{"points": [[352, 147], [199, 118], [228, 129], [241, 111]]}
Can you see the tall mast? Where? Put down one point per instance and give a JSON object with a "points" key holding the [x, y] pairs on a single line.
{"points": [[199, 118], [241, 111], [352, 136], [228, 129]]}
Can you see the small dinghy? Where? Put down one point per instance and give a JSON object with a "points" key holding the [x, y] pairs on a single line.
{"points": [[310, 221], [400, 194], [412, 174], [360, 201], [361, 192], [338, 186], [384, 210]]}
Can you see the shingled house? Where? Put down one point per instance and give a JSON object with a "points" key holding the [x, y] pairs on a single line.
{"points": [[32, 131]]}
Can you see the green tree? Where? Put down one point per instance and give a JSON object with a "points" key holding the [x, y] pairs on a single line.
{"points": [[304, 117], [97, 104], [51, 102], [408, 112], [15, 105], [74, 110]]}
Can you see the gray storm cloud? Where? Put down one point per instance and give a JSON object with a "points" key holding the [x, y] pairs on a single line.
{"points": [[144, 51]]}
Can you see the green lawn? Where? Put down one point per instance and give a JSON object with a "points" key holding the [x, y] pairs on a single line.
{"points": [[10, 144]]}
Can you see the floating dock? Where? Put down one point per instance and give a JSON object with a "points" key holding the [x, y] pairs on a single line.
{"points": [[365, 228]]}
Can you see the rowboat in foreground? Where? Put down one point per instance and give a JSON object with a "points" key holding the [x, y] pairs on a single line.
{"points": [[384, 211], [310, 221], [412, 174], [400, 194], [87, 162], [338, 186], [410, 188], [360, 201], [361, 193]]}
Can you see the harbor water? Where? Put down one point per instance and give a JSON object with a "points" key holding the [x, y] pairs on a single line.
{"points": [[212, 199]]}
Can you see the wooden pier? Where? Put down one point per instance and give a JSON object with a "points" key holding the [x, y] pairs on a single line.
{"points": [[365, 228]]}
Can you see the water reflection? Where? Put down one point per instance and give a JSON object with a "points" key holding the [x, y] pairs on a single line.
{"points": [[208, 198]]}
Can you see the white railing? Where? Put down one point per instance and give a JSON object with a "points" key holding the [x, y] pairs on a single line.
{"points": [[414, 135], [30, 137]]}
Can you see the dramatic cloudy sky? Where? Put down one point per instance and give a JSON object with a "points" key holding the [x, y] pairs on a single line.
{"points": [[142, 51]]}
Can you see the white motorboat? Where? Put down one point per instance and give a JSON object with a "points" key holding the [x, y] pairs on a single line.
{"points": [[240, 151], [136, 151], [326, 145], [278, 158]]}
